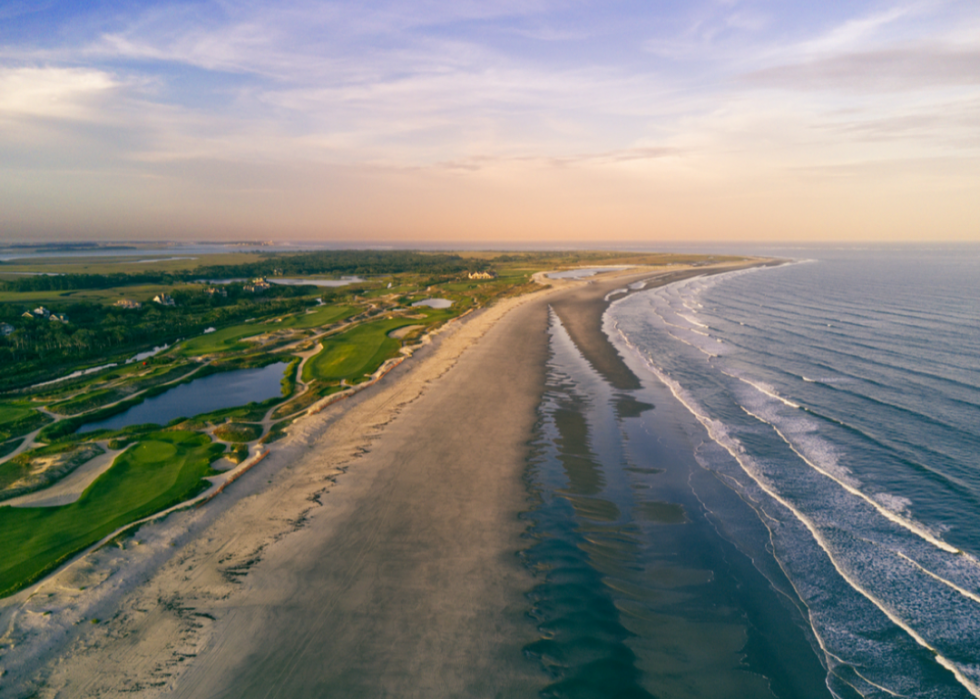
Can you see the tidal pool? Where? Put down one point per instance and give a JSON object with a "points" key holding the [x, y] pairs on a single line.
{"points": [[225, 390]]}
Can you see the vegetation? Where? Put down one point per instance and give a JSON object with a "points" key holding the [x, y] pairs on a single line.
{"points": [[17, 420], [238, 432], [98, 331], [39, 468], [353, 323], [356, 352], [162, 470]]}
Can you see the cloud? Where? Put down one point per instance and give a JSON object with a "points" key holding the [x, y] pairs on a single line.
{"points": [[61, 93], [884, 70]]}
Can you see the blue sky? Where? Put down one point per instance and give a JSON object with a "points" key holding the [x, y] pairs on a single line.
{"points": [[469, 121]]}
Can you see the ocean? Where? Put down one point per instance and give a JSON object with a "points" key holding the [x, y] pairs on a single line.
{"points": [[787, 507]]}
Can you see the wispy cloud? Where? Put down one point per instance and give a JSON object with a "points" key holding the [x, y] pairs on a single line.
{"points": [[62, 93], [891, 69]]}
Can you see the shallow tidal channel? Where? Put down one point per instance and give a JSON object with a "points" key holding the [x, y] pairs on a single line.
{"points": [[652, 577]]}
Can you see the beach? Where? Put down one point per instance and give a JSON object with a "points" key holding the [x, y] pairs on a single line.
{"points": [[373, 553]]}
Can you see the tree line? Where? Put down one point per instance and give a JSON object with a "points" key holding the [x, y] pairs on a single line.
{"points": [[331, 262]]}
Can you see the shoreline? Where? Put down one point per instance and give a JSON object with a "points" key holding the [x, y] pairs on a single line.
{"points": [[180, 620]]}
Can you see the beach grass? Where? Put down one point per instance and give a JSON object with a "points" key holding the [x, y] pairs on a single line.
{"points": [[238, 432], [356, 352], [164, 469]]}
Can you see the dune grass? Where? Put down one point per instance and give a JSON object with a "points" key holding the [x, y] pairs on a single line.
{"points": [[164, 469]]}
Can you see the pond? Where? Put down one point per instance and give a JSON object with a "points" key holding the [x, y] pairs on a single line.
{"points": [[434, 303], [583, 272], [215, 392]]}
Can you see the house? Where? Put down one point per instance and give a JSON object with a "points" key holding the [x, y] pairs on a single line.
{"points": [[59, 317], [216, 291], [482, 275], [164, 300], [258, 284], [39, 312], [128, 304], [6, 329]]}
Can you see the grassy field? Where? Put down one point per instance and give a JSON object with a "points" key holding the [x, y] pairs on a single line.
{"points": [[324, 315], [130, 264], [143, 294], [224, 340], [230, 339], [162, 470], [359, 351], [17, 420], [12, 413]]}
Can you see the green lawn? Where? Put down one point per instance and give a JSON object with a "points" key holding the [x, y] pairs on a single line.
{"points": [[356, 352], [164, 469]]}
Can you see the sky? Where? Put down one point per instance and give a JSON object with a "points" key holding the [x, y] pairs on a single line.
{"points": [[561, 122]]}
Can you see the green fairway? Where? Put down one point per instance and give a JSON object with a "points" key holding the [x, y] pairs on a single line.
{"points": [[13, 413], [224, 340], [325, 315], [164, 469], [229, 339], [359, 351], [18, 420]]}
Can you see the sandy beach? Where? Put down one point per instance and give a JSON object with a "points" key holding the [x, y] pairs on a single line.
{"points": [[373, 553]]}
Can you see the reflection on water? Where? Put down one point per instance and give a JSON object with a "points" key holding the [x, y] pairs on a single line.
{"points": [[215, 392], [639, 593]]}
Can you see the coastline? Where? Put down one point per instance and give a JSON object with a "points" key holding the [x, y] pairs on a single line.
{"points": [[415, 551]]}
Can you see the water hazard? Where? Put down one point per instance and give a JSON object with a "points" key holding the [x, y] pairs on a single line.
{"points": [[215, 392], [639, 593]]}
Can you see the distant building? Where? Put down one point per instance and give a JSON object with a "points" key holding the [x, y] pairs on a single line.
{"points": [[128, 303], [39, 312], [482, 275], [216, 291], [208, 330], [258, 284], [6, 329], [59, 317], [164, 300]]}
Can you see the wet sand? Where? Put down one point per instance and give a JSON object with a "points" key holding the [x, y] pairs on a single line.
{"points": [[373, 554]]}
